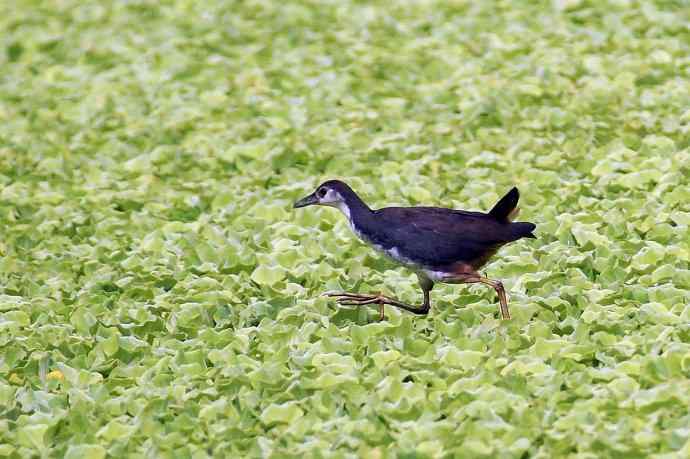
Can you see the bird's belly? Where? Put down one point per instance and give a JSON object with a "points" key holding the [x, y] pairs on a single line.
{"points": [[450, 274], [436, 276]]}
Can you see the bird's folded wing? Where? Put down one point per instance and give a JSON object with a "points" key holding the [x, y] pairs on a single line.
{"points": [[436, 236]]}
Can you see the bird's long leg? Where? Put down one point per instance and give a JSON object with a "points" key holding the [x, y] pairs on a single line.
{"points": [[359, 299], [495, 284], [501, 292]]}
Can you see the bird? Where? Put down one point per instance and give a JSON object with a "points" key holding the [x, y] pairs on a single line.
{"points": [[440, 245]]}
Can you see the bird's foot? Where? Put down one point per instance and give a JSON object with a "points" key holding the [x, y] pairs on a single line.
{"points": [[352, 299], [361, 299]]}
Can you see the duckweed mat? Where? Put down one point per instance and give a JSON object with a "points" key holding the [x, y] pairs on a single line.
{"points": [[160, 297]]}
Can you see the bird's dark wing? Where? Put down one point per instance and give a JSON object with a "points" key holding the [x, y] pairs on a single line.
{"points": [[436, 236]]}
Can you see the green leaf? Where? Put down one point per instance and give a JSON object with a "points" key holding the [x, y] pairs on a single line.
{"points": [[658, 313], [466, 360], [20, 318], [281, 413], [268, 275], [85, 452], [33, 436], [681, 218], [384, 358], [547, 348], [115, 430]]}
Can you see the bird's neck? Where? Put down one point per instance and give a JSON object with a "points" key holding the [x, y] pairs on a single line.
{"points": [[355, 210]]}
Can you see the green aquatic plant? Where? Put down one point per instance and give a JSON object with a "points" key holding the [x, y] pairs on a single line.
{"points": [[160, 298]]}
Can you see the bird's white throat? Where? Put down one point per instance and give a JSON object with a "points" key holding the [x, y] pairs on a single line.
{"points": [[344, 209]]}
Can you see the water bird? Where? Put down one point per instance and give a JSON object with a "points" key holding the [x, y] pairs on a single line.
{"points": [[438, 244]]}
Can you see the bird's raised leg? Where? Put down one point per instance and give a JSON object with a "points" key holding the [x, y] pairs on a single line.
{"points": [[361, 299], [473, 278]]}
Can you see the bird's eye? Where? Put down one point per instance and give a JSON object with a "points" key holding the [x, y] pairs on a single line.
{"points": [[321, 192]]}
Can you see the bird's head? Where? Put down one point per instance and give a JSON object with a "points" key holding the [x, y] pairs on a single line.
{"points": [[330, 193], [333, 193]]}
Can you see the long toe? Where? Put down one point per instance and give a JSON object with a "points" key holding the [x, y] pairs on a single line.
{"points": [[357, 301], [345, 295], [354, 296]]}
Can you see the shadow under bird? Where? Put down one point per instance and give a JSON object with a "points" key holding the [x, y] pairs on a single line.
{"points": [[438, 244]]}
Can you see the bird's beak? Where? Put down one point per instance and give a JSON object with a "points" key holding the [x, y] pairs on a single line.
{"points": [[306, 201]]}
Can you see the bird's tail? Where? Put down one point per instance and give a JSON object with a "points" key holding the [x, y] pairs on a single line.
{"points": [[523, 229], [506, 210], [506, 207]]}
